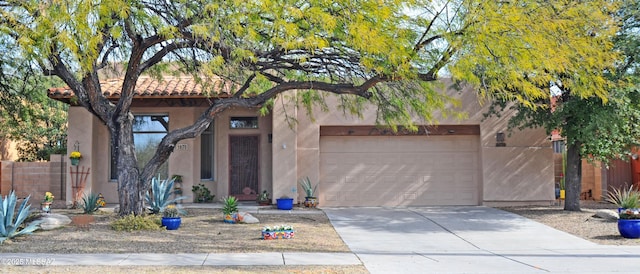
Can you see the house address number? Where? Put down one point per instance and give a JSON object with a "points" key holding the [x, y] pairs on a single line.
{"points": [[183, 147]]}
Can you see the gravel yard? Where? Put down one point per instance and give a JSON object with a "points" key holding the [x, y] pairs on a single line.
{"points": [[582, 224], [203, 231]]}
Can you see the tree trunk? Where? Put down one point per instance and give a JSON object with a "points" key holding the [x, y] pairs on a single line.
{"points": [[573, 178], [130, 194]]}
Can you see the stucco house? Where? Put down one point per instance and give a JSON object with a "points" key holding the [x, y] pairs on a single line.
{"points": [[458, 162]]}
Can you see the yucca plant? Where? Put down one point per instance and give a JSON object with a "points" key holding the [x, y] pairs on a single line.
{"points": [[308, 188], [10, 227], [160, 195], [624, 198]]}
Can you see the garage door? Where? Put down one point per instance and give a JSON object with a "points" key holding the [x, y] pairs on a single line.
{"points": [[399, 170]]}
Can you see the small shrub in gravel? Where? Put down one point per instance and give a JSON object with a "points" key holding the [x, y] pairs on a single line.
{"points": [[134, 223]]}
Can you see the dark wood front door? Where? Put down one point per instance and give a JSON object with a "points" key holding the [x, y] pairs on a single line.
{"points": [[244, 166]]}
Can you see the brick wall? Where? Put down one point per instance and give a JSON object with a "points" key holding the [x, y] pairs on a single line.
{"points": [[33, 178]]}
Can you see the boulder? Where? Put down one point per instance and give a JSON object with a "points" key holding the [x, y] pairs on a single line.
{"points": [[52, 221], [606, 214], [248, 218]]}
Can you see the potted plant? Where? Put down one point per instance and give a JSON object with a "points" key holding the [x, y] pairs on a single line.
{"points": [[177, 188], [310, 199], [177, 178], [627, 201], [230, 209], [171, 218], [263, 198], [201, 194], [101, 201], [46, 202], [75, 157], [277, 232]]}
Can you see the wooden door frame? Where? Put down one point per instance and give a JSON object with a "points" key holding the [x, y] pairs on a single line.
{"points": [[258, 167]]}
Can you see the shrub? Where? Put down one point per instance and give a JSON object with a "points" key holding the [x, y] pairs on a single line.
{"points": [[160, 196], [9, 226], [202, 194], [90, 203], [263, 197], [133, 223]]}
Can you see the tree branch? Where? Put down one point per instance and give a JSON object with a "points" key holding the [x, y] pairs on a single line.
{"points": [[157, 57], [244, 87], [432, 74]]}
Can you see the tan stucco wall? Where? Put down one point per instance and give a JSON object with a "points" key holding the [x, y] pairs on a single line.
{"points": [[222, 132], [522, 171], [285, 155], [185, 160], [81, 125]]}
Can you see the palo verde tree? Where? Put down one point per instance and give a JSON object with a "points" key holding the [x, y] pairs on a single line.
{"points": [[596, 128], [387, 53]]}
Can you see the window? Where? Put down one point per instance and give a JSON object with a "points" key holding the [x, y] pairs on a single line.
{"points": [[243, 122], [558, 146], [206, 153], [148, 131]]}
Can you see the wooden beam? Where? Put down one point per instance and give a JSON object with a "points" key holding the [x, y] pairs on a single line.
{"points": [[386, 131]]}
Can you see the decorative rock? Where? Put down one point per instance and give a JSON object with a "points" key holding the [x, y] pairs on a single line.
{"points": [[53, 221], [606, 214], [248, 218]]}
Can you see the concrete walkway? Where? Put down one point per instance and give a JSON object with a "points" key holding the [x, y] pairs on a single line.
{"points": [[199, 259], [407, 240], [470, 240]]}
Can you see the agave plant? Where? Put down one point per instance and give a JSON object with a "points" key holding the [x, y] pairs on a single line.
{"points": [[90, 203], [229, 205], [9, 227], [160, 195]]}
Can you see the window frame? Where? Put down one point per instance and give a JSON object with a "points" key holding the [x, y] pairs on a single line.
{"points": [[113, 166], [243, 121], [209, 136]]}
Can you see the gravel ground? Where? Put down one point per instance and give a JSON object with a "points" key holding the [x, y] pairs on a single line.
{"points": [[201, 231], [582, 224], [204, 231]]}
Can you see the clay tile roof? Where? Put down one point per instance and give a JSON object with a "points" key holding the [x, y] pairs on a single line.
{"points": [[148, 87]]}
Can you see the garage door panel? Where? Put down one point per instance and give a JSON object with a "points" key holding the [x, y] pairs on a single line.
{"points": [[399, 170]]}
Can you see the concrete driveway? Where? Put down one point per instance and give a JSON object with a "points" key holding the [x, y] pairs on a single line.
{"points": [[470, 240]]}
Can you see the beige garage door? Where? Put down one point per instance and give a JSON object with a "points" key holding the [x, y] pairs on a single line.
{"points": [[399, 170]]}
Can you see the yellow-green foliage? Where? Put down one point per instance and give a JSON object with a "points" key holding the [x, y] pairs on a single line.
{"points": [[132, 223], [507, 49], [514, 49]]}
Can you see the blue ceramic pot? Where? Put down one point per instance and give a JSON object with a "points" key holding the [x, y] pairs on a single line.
{"points": [[629, 228], [285, 203], [171, 223]]}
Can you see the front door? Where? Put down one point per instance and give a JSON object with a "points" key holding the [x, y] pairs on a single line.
{"points": [[243, 166]]}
